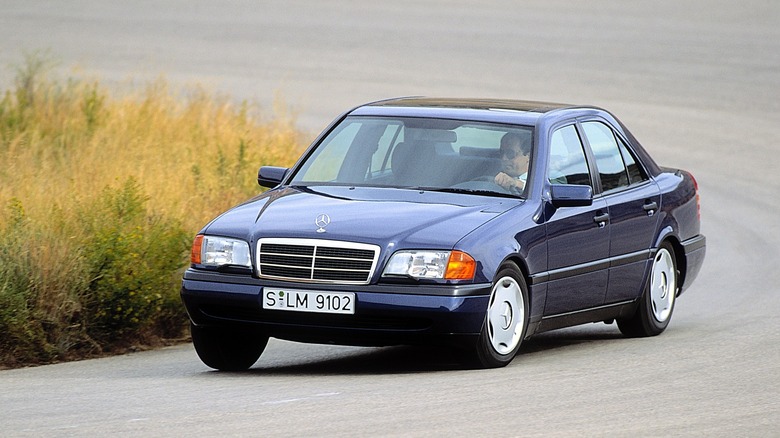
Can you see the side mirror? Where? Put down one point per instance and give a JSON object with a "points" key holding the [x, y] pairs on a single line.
{"points": [[271, 176], [571, 195]]}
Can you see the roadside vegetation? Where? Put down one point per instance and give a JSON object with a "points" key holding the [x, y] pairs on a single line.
{"points": [[100, 196]]}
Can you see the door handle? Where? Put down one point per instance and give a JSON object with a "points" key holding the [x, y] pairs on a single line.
{"points": [[650, 207], [601, 219]]}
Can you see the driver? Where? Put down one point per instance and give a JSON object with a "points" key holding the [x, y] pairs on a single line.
{"points": [[514, 163]]}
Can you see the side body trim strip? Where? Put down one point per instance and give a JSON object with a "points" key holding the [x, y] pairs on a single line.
{"points": [[598, 265]]}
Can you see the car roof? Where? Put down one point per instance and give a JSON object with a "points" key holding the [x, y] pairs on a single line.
{"points": [[477, 104], [490, 110]]}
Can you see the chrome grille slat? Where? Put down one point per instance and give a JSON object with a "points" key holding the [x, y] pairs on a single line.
{"points": [[316, 261], [290, 249], [285, 260]]}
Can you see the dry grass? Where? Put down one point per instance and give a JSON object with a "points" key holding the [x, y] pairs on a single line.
{"points": [[193, 156], [69, 147]]}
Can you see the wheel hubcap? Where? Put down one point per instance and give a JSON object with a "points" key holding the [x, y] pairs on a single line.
{"points": [[505, 315], [663, 285]]}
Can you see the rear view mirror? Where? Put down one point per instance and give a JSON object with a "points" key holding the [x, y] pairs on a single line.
{"points": [[570, 195]]}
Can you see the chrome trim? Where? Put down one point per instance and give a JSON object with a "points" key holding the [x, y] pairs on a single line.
{"points": [[315, 244]]}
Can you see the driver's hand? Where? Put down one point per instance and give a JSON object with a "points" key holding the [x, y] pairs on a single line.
{"points": [[509, 183]]}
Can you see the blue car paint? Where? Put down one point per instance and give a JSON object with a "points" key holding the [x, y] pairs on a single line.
{"points": [[569, 264], [405, 314], [401, 219]]}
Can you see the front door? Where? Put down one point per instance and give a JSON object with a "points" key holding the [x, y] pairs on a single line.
{"points": [[577, 237]]}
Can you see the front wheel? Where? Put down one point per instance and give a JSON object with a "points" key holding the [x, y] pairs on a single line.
{"points": [[227, 349], [657, 302], [506, 319]]}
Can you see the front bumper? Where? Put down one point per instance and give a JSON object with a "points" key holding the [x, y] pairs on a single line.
{"points": [[384, 314]]}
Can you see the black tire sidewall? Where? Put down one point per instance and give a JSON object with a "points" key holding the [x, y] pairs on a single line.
{"points": [[653, 325], [643, 322], [227, 349], [486, 355]]}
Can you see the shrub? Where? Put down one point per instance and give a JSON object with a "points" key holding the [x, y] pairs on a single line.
{"points": [[134, 263], [39, 292], [99, 197], [22, 337]]}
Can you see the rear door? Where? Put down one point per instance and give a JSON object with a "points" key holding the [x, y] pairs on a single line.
{"points": [[633, 200]]}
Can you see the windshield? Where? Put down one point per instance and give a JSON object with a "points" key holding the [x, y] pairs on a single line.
{"points": [[430, 154]]}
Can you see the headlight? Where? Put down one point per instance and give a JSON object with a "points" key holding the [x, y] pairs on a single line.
{"points": [[220, 251], [447, 265]]}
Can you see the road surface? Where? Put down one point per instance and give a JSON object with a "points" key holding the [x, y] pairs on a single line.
{"points": [[697, 82]]}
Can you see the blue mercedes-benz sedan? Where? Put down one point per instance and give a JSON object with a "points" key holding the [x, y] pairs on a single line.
{"points": [[466, 222]]}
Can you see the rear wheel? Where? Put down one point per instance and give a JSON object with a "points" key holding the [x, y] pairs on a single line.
{"points": [[227, 349], [506, 319], [657, 302]]}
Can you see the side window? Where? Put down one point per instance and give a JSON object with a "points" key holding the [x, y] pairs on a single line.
{"points": [[609, 161], [567, 158], [635, 172]]}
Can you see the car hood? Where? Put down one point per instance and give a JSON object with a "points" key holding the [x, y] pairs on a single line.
{"points": [[403, 218]]}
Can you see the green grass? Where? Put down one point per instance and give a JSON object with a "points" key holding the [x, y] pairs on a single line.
{"points": [[100, 196]]}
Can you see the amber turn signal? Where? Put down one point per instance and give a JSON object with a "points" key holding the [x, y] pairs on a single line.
{"points": [[196, 249], [461, 266]]}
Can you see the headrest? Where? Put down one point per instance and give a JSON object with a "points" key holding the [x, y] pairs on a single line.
{"points": [[433, 135]]}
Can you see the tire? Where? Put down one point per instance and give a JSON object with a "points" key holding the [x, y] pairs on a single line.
{"points": [[506, 319], [227, 349], [657, 303]]}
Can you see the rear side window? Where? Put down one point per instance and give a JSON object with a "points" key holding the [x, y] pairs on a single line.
{"points": [[609, 160], [567, 158], [635, 172]]}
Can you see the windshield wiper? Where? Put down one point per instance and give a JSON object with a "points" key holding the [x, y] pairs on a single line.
{"points": [[462, 190]]}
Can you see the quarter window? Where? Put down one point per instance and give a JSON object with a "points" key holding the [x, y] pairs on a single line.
{"points": [[635, 172]]}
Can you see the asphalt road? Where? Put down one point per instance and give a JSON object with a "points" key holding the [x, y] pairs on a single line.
{"points": [[697, 82]]}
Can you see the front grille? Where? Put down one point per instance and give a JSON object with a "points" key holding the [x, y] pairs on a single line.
{"points": [[316, 261]]}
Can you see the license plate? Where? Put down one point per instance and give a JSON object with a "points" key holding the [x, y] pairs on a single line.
{"points": [[309, 301]]}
